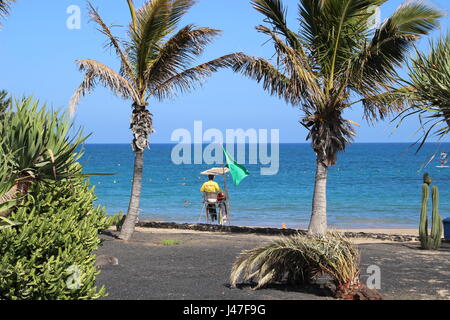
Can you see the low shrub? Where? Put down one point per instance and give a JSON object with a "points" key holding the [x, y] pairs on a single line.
{"points": [[49, 255], [48, 223]]}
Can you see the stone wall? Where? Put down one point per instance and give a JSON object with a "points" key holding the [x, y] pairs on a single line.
{"points": [[266, 231]]}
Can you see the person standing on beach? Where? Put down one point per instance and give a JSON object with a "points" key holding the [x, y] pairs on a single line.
{"points": [[207, 187]]}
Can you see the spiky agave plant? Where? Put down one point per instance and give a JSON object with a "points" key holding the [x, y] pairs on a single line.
{"points": [[298, 259], [35, 144], [5, 101], [7, 192]]}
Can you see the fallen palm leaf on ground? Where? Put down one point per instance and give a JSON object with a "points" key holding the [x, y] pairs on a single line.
{"points": [[300, 259]]}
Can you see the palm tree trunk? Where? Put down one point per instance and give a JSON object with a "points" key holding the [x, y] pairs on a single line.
{"points": [[318, 223], [129, 224]]}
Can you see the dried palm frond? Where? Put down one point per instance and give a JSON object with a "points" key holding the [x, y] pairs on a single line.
{"points": [[95, 71], [298, 259], [5, 7], [113, 42], [273, 80], [190, 78]]}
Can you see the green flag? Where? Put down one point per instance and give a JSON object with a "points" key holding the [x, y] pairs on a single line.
{"points": [[238, 172]]}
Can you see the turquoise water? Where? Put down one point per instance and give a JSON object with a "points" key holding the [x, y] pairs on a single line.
{"points": [[373, 185]]}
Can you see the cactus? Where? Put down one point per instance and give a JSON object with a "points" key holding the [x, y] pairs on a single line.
{"points": [[430, 241], [423, 227], [436, 220]]}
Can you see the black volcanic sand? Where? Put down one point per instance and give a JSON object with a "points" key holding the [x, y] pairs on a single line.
{"points": [[199, 266]]}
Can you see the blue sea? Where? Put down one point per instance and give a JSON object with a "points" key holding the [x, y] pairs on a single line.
{"points": [[373, 185]]}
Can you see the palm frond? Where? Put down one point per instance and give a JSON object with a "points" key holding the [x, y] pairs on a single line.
{"points": [[378, 107], [295, 65], [430, 76], [154, 21], [334, 31], [348, 31], [5, 6], [191, 78], [113, 42], [179, 53], [430, 89], [275, 14], [375, 69], [133, 24], [97, 72], [274, 82], [416, 18]]}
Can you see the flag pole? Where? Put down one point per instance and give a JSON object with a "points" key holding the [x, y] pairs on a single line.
{"points": [[227, 199]]}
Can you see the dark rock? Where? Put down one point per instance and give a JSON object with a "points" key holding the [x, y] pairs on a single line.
{"points": [[105, 260], [357, 292]]}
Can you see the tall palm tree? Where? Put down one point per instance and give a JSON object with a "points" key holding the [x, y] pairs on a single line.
{"points": [[428, 89], [336, 60], [155, 64]]}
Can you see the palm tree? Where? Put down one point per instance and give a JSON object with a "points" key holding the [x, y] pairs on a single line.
{"points": [[337, 60], [155, 63], [5, 7], [428, 89]]}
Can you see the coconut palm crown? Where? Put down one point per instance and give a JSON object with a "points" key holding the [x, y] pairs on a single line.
{"points": [[338, 59], [156, 63]]}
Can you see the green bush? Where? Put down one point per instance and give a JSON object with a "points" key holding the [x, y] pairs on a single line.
{"points": [[48, 224], [40, 258]]}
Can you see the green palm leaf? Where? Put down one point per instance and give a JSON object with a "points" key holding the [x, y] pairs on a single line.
{"points": [[429, 94]]}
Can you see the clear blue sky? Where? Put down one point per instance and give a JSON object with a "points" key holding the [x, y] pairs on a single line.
{"points": [[37, 58]]}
